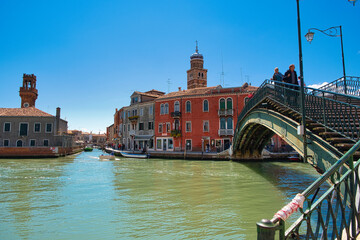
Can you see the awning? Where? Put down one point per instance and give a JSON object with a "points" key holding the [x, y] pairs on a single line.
{"points": [[143, 137]]}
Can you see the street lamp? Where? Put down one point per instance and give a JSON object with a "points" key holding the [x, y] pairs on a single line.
{"points": [[302, 91], [331, 32], [352, 1]]}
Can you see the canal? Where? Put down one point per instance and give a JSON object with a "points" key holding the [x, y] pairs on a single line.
{"points": [[80, 197]]}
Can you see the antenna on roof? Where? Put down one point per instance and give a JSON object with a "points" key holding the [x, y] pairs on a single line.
{"points": [[222, 74], [169, 83], [196, 49]]}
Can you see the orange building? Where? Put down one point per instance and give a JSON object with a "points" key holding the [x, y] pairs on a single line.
{"points": [[200, 118]]}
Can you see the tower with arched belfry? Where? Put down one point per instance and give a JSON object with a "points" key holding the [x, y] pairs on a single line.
{"points": [[28, 91], [196, 75]]}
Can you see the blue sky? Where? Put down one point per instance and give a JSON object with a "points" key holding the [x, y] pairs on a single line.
{"points": [[89, 56]]}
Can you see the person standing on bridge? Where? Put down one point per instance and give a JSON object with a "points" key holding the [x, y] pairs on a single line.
{"points": [[290, 77], [278, 79]]}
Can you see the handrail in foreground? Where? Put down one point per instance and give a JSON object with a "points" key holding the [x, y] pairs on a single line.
{"points": [[333, 214]]}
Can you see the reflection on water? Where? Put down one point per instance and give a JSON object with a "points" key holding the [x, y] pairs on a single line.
{"points": [[80, 197]]}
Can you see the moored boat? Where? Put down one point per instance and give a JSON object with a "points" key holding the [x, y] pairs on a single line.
{"points": [[133, 155], [88, 149]]}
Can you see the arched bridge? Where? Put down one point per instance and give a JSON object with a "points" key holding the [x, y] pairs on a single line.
{"points": [[332, 120]]}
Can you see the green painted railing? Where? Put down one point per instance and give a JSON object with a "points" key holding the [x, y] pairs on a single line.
{"points": [[348, 85], [333, 214], [333, 110]]}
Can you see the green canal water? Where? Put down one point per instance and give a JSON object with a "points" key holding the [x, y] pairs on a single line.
{"points": [[80, 197]]}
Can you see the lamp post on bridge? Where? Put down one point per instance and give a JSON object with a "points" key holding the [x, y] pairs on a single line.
{"points": [[331, 32], [302, 91]]}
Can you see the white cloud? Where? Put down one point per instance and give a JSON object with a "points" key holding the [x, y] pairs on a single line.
{"points": [[318, 85]]}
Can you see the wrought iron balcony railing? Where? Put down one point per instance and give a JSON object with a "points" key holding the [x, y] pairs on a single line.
{"points": [[226, 132], [176, 114], [226, 112]]}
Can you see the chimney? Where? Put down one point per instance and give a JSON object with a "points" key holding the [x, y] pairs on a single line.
{"points": [[57, 121], [179, 89]]}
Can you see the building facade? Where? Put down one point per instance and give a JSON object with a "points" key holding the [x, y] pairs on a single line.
{"points": [[136, 122], [28, 131]]}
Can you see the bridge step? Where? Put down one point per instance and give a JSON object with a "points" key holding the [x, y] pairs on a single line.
{"points": [[344, 146], [339, 140]]}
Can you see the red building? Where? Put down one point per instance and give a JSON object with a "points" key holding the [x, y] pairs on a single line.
{"points": [[200, 118]]}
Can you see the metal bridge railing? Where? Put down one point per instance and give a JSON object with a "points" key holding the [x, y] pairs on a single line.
{"points": [[348, 85], [334, 214], [321, 106]]}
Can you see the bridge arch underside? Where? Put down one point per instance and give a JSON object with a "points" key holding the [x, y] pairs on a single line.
{"points": [[257, 128]]}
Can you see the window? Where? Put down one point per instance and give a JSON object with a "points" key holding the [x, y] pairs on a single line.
{"points": [[188, 127], [160, 127], [229, 103], [134, 112], [177, 124], [205, 106], [48, 127], [151, 109], [32, 142], [141, 111], [19, 143], [37, 127], [23, 129], [229, 123], [222, 123], [177, 106], [170, 143], [188, 145], [166, 108], [158, 144], [141, 126], [188, 106], [7, 127], [46, 142], [206, 126], [128, 113], [150, 125], [222, 103], [202, 75], [134, 100], [6, 142], [128, 127], [168, 127], [162, 109]]}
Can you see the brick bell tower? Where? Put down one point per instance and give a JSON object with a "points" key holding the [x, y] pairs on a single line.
{"points": [[196, 75], [28, 91]]}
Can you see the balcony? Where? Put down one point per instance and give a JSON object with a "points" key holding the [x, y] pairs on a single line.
{"points": [[176, 114], [226, 132], [176, 133], [226, 112], [133, 118]]}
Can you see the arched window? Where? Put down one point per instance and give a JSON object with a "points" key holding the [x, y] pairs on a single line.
{"points": [[199, 74], [166, 108], [188, 106], [205, 106], [222, 123], [202, 75], [19, 143], [222, 103], [229, 123], [161, 109], [229, 103], [177, 106]]}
